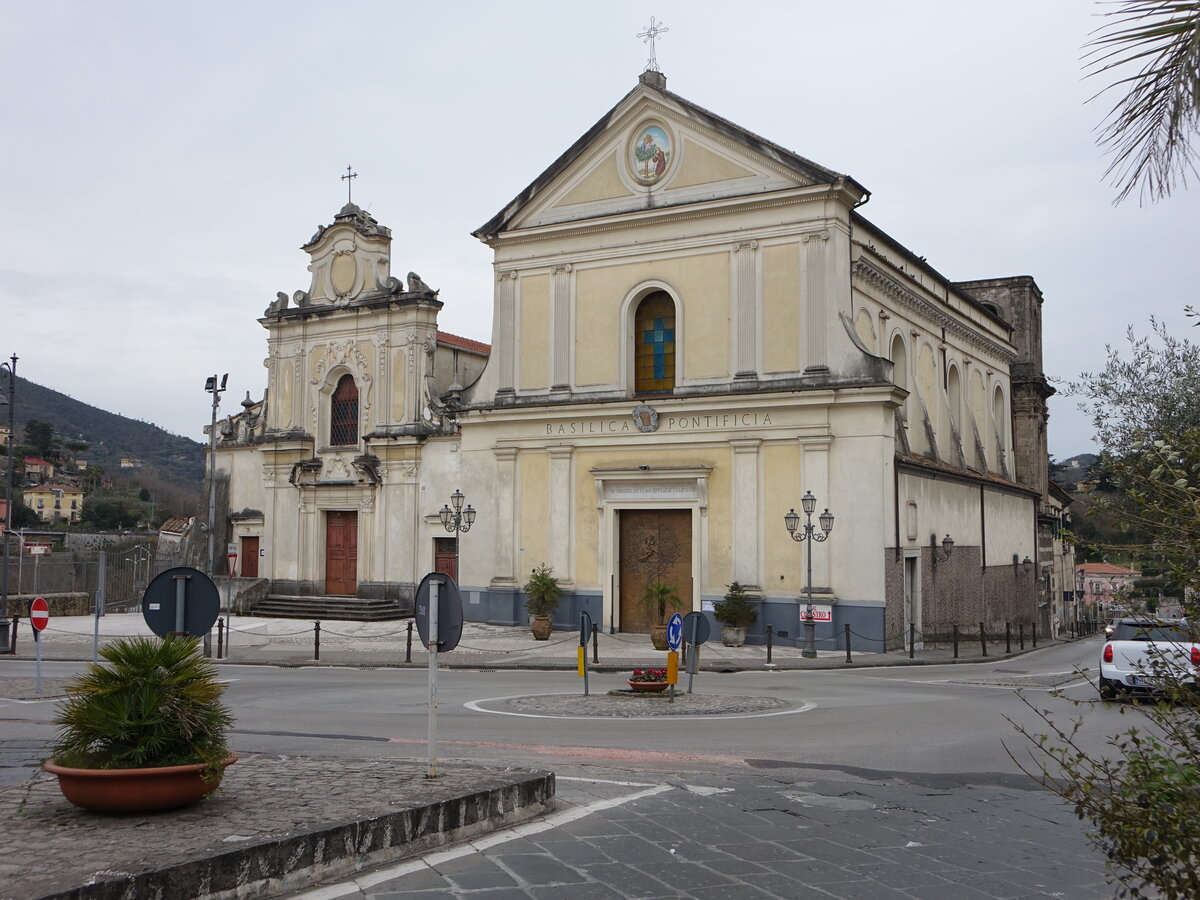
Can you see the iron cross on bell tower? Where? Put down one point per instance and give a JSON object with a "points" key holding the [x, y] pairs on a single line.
{"points": [[649, 36], [349, 179]]}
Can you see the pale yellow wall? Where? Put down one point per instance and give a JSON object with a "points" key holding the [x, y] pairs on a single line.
{"points": [[533, 355], [781, 465], [864, 326], [927, 380], [702, 283], [587, 538], [533, 474], [602, 183], [781, 308], [702, 166]]}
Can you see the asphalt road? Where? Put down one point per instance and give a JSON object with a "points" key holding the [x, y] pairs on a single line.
{"points": [[868, 783]]}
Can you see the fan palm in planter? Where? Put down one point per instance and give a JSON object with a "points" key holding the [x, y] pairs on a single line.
{"points": [[146, 731], [659, 598], [736, 613], [542, 593]]}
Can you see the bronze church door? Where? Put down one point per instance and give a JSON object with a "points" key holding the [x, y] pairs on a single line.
{"points": [[655, 544], [341, 553]]}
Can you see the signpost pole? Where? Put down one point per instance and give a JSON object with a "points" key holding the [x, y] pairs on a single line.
{"points": [[231, 558], [585, 628], [433, 646], [37, 642], [180, 603], [694, 659], [39, 617], [101, 576]]}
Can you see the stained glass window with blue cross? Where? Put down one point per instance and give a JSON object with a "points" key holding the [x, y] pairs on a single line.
{"points": [[654, 354]]}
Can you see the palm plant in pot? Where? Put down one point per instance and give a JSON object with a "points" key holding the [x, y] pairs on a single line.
{"points": [[542, 593], [658, 600], [146, 730], [736, 613]]}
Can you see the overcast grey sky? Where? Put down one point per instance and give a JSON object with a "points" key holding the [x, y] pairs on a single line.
{"points": [[165, 160]]}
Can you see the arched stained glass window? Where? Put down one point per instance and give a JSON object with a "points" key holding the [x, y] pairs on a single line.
{"points": [[654, 344], [343, 413]]}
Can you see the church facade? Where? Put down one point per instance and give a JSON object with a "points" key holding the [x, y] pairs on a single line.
{"points": [[693, 329]]}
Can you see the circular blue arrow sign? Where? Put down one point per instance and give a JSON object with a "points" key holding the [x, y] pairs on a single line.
{"points": [[675, 631]]}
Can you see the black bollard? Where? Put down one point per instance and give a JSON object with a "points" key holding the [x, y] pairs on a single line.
{"points": [[220, 637], [316, 640], [1021, 635], [848, 643], [912, 639], [983, 639], [770, 641], [955, 639], [1007, 637], [1035, 635], [13, 642], [595, 643], [408, 644]]}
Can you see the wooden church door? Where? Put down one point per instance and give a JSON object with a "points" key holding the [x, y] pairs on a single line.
{"points": [[341, 553], [655, 544]]}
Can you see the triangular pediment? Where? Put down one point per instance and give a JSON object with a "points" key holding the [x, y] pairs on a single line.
{"points": [[656, 149]]}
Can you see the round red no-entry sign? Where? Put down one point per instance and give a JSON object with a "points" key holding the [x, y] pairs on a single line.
{"points": [[39, 613]]}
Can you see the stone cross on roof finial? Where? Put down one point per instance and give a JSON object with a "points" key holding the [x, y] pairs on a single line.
{"points": [[649, 36], [348, 178]]}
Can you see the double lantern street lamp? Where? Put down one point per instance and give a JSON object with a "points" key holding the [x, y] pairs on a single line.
{"points": [[808, 534], [457, 519]]}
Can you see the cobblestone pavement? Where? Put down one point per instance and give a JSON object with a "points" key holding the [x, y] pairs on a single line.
{"points": [[779, 832], [271, 813]]}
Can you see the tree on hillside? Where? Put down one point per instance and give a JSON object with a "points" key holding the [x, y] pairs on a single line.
{"points": [[40, 435], [1152, 48]]}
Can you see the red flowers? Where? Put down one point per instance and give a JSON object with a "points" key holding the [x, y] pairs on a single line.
{"points": [[648, 675]]}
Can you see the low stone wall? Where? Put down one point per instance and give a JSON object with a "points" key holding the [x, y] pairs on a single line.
{"points": [[74, 603]]}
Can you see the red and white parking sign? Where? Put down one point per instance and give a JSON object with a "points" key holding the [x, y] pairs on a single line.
{"points": [[39, 613]]}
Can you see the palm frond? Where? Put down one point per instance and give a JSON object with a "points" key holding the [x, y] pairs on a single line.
{"points": [[1148, 130]]}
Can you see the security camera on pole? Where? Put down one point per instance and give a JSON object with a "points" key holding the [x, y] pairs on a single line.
{"points": [[809, 534]]}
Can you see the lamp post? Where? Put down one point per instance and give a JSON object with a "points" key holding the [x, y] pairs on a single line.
{"points": [[808, 534], [216, 389], [457, 520], [8, 369]]}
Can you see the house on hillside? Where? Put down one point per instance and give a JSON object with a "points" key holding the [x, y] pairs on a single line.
{"points": [[1101, 587], [698, 341], [38, 470], [52, 502]]}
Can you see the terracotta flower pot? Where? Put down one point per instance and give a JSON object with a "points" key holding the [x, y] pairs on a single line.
{"points": [[136, 790], [647, 687], [541, 626], [658, 637]]}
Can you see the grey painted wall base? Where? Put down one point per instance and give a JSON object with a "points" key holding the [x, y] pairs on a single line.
{"points": [[866, 621]]}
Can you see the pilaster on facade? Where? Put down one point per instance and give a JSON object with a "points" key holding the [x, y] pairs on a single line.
{"points": [[561, 513], [745, 310], [504, 352], [560, 312], [745, 504], [815, 301], [506, 575]]}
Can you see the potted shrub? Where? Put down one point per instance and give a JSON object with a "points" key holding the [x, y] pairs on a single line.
{"points": [[542, 593], [736, 613], [144, 731], [659, 598]]}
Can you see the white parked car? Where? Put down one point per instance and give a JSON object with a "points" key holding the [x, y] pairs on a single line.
{"points": [[1147, 655]]}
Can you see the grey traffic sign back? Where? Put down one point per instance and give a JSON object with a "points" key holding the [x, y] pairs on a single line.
{"points": [[696, 627], [449, 611], [585, 627], [200, 601]]}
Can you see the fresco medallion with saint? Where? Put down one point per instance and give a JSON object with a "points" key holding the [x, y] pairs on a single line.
{"points": [[650, 153]]}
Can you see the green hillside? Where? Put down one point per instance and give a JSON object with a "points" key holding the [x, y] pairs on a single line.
{"points": [[110, 436]]}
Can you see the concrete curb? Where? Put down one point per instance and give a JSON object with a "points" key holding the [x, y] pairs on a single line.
{"points": [[185, 854]]}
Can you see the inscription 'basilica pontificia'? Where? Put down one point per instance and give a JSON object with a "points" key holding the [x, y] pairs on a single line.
{"points": [[710, 422]]}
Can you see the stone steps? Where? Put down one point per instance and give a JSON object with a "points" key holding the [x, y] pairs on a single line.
{"points": [[349, 609]]}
